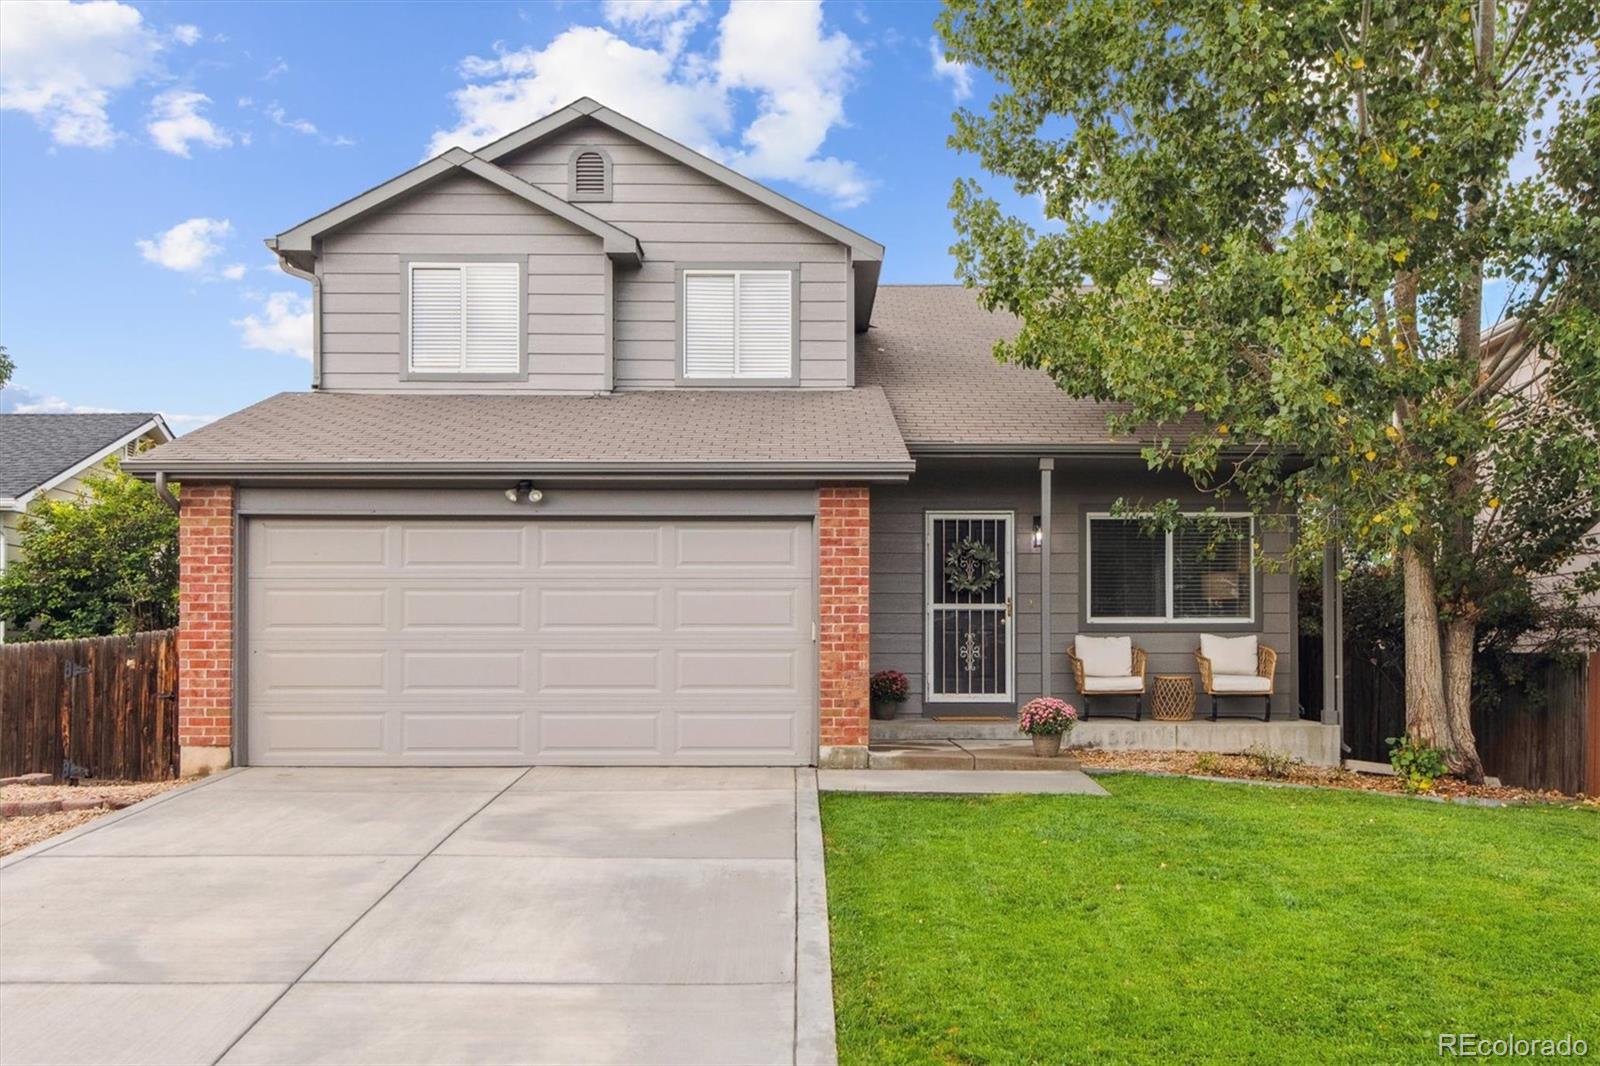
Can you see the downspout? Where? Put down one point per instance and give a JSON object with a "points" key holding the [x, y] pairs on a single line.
{"points": [[165, 493], [316, 308], [1046, 678]]}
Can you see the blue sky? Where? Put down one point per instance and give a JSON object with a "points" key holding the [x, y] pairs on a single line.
{"points": [[147, 148]]}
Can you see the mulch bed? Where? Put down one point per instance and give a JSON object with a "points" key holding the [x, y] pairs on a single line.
{"points": [[1243, 767]]}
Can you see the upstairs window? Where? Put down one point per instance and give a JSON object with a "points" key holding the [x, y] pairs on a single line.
{"points": [[1193, 574], [466, 318], [738, 324], [591, 175]]}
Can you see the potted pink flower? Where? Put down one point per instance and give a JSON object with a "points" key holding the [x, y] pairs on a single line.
{"points": [[1047, 720], [889, 691]]}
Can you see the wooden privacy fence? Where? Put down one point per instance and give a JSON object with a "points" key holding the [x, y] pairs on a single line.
{"points": [[1546, 734], [107, 705]]}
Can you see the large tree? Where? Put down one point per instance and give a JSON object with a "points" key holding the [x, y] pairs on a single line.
{"points": [[104, 562], [1358, 243]]}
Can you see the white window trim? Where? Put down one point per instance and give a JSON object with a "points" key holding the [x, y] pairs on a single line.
{"points": [[1088, 579], [791, 273], [463, 374], [1008, 616]]}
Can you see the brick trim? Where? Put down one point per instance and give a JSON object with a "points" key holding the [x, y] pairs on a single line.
{"points": [[206, 519], [843, 566]]}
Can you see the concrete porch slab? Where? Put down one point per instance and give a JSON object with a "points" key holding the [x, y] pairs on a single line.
{"points": [[138, 920], [406, 1024], [725, 824], [276, 821], [602, 921], [1316, 743], [960, 782], [126, 1025]]}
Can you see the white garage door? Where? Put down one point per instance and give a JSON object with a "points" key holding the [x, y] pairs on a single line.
{"points": [[489, 642]]}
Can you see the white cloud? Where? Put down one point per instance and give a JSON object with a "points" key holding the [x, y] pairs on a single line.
{"points": [[778, 58], [175, 122], [21, 400], [188, 246], [283, 326], [62, 63], [800, 75], [186, 34], [280, 117], [582, 61], [959, 75], [234, 271], [666, 22]]}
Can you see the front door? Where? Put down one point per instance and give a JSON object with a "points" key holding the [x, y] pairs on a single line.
{"points": [[969, 606]]}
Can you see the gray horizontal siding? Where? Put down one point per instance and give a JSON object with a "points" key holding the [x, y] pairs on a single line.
{"points": [[897, 581], [363, 290], [683, 217]]}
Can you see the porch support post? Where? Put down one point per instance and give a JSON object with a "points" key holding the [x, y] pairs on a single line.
{"points": [[1046, 643], [1332, 638]]}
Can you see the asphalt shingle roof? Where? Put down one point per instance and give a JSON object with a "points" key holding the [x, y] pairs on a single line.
{"points": [[631, 430], [931, 350], [35, 448]]}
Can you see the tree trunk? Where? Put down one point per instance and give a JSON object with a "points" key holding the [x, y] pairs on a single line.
{"points": [[1427, 717], [1460, 637]]}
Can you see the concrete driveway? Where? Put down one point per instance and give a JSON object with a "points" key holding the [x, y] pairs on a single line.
{"points": [[427, 916]]}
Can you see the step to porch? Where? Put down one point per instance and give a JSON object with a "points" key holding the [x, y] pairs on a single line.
{"points": [[963, 755]]}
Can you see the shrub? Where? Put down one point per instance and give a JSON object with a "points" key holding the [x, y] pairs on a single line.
{"points": [[1046, 717], [890, 686], [1271, 762], [1207, 763], [1416, 764]]}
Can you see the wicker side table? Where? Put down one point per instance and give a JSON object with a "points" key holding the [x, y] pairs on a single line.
{"points": [[1173, 699]]}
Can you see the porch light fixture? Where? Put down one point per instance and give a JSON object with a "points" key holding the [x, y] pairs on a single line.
{"points": [[1038, 533], [524, 490]]}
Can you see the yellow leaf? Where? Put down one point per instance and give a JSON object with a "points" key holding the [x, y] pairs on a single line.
{"points": [[1205, 249], [1387, 158], [1358, 63], [1466, 16], [1343, 420], [1401, 256], [1450, 460], [1366, 342], [1331, 397], [1494, 503], [1407, 528], [1371, 455], [1391, 433], [1223, 428], [1416, 150], [1433, 103], [1433, 186]]}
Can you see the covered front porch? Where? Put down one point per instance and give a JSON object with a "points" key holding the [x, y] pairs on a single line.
{"points": [[975, 648]]}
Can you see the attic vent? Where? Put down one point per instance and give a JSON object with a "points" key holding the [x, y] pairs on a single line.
{"points": [[591, 175]]}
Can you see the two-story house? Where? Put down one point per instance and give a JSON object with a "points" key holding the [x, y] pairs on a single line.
{"points": [[613, 455]]}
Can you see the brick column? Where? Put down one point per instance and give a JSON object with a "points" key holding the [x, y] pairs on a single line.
{"points": [[843, 560], [205, 627]]}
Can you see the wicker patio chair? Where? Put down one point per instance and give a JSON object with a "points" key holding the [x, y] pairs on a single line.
{"points": [[1130, 682], [1222, 674]]}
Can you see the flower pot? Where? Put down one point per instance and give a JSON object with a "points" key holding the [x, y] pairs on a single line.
{"points": [[1047, 747], [883, 710]]}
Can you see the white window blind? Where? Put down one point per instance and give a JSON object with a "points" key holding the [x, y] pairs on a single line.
{"points": [[465, 318], [1197, 572], [738, 324]]}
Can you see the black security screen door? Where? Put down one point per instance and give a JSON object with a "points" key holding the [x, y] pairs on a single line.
{"points": [[969, 594]]}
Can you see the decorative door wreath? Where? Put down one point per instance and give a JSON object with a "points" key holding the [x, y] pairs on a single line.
{"points": [[972, 567]]}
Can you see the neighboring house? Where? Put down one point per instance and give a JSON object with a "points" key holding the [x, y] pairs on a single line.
{"points": [[47, 457], [613, 455]]}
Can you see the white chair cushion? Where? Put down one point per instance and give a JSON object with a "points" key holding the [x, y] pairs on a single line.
{"points": [[1244, 684], [1105, 656], [1229, 655], [1096, 686]]}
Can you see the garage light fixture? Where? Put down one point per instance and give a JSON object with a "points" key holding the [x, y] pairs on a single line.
{"points": [[1038, 533], [524, 490]]}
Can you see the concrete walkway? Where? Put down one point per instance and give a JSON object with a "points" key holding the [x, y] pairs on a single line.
{"points": [[428, 916]]}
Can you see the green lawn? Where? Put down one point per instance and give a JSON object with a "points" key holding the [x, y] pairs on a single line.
{"points": [[1185, 921]]}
